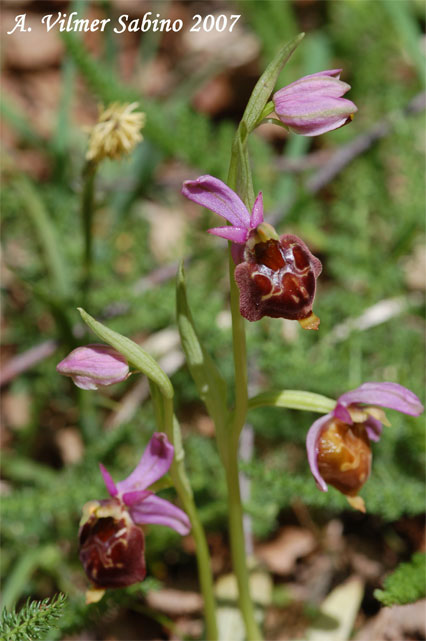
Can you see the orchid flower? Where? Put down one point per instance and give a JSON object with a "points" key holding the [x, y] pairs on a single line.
{"points": [[276, 275], [338, 444], [111, 541]]}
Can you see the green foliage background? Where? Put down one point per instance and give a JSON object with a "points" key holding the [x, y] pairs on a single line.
{"points": [[363, 226]]}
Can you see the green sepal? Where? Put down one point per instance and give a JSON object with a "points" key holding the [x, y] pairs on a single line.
{"points": [[209, 381], [244, 177], [293, 399], [135, 355], [266, 83]]}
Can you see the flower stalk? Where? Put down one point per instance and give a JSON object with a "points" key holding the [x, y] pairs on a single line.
{"points": [[167, 420], [235, 510], [240, 180], [87, 212]]}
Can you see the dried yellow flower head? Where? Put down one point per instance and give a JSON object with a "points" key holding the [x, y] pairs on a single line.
{"points": [[116, 133]]}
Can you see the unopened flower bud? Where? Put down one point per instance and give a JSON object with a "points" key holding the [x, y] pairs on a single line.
{"points": [[111, 545], [94, 366], [314, 105]]}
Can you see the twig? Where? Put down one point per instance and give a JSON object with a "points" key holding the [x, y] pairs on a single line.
{"points": [[18, 364], [377, 314]]}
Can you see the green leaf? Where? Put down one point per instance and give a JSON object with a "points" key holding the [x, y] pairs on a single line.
{"points": [[134, 353], [209, 381], [16, 583], [33, 621], [244, 176], [34, 207], [266, 83], [407, 584], [293, 399]]}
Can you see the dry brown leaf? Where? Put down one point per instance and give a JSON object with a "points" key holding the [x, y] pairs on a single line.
{"points": [[415, 268], [192, 628], [167, 232], [175, 602], [29, 50], [399, 623], [230, 49], [70, 445], [214, 96], [16, 409], [280, 554]]}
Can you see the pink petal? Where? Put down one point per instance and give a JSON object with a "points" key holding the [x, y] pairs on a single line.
{"points": [[312, 440], [213, 194], [257, 213], [332, 73], [84, 382], [390, 395], [130, 498], [153, 509], [109, 483], [315, 87], [342, 414], [374, 428], [235, 234], [302, 110], [155, 462], [93, 366]]}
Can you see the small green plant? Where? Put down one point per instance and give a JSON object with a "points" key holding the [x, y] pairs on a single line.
{"points": [[407, 584], [33, 621]]}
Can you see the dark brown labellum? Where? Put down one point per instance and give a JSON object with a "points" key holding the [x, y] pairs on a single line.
{"points": [[278, 279], [112, 551]]}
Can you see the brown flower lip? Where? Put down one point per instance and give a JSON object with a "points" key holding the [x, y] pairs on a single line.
{"points": [[112, 547], [277, 279]]}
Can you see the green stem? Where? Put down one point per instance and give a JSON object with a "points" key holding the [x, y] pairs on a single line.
{"points": [[240, 358], [274, 121], [268, 109], [238, 551], [183, 488], [235, 510], [87, 210], [238, 328]]}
